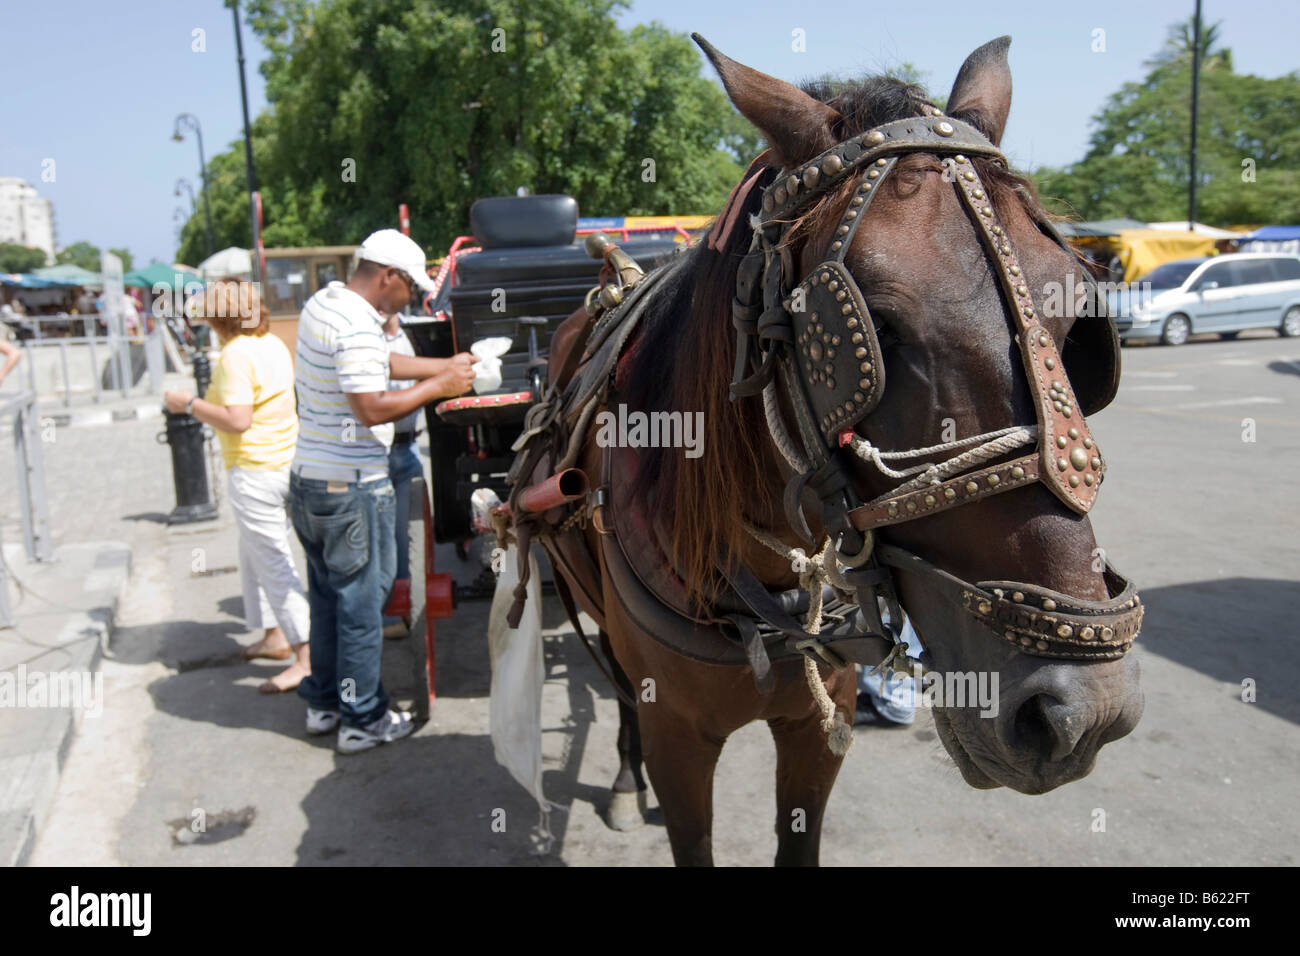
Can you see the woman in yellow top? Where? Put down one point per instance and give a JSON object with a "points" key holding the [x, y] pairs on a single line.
{"points": [[251, 405]]}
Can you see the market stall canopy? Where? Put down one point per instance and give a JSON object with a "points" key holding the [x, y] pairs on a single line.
{"points": [[231, 263], [160, 273], [1098, 229], [69, 274], [1271, 239], [1201, 229], [1141, 250], [26, 280]]}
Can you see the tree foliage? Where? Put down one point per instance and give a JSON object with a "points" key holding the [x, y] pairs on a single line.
{"points": [[83, 254], [16, 258], [436, 103], [1248, 157]]}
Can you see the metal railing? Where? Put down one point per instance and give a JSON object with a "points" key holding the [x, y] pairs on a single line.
{"points": [[118, 350], [33, 506]]}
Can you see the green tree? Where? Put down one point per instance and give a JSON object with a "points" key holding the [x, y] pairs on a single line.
{"points": [[438, 102], [125, 256], [79, 254], [16, 258], [1248, 163]]}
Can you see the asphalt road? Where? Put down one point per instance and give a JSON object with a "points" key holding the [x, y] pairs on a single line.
{"points": [[1203, 519]]}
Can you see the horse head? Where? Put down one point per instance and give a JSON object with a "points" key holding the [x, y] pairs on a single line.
{"points": [[902, 250]]}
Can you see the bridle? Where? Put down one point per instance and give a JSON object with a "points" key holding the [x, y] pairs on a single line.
{"points": [[812, 348]]}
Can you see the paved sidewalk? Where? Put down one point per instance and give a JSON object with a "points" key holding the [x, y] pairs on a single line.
{"points": [[49, 663]]}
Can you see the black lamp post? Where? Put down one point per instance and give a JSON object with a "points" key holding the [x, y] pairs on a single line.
{"points": [[185, 183], [248, 149], [191, 122]]}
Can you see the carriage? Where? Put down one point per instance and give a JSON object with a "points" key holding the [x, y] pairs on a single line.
{"points": [[521, 273]]}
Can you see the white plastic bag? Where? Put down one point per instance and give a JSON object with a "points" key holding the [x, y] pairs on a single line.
{"points": [[518, 673], [487, 372]]}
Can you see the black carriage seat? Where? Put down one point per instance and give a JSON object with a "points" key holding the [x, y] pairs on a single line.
{"points": [[530, 276]]}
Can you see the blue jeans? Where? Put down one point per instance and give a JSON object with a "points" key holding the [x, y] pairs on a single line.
{"points": [[898, 701], [403, 465], [351, 559]]}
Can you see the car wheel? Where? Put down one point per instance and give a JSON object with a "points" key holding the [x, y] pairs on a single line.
{"points": [[1176, 330], [1291, 322]]}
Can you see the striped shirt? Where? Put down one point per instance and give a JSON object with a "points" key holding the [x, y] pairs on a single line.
{"points": [[341, 349], [401, 345]]}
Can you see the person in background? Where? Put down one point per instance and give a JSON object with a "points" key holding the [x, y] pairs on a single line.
{"points": [[403, 465], [891, 702], [9, 353], [341, 498], [251, 405]]}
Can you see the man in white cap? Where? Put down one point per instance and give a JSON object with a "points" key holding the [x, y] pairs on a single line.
{"points": [[340, 498]]}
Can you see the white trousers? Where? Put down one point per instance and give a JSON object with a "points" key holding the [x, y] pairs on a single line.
{"points": [[273, 592]]}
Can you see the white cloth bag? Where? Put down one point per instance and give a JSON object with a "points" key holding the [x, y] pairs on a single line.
{"points": [[518, 673]]}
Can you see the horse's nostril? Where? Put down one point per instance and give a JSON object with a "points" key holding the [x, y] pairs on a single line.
{"points": [[1046, 726]]}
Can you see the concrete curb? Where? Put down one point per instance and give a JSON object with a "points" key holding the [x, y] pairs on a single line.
{"points": [[35, 739]]}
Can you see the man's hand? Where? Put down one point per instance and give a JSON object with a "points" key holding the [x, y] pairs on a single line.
{"points": [[457, 377], [176, 400]]}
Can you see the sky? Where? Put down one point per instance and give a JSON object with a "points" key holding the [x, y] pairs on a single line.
{"points": [[96, 85]]}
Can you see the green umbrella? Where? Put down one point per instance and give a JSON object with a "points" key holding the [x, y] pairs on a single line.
{"points": [[69, 274]]}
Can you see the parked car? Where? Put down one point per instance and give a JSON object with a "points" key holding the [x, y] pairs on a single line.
{"points": [[1225, 294]]}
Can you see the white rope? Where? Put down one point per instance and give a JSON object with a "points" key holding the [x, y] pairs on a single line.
{"points": [[994, 444], [780, 435]]}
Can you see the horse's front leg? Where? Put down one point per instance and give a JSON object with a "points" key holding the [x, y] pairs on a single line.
{"points": [[627, 798], [805, 772]]}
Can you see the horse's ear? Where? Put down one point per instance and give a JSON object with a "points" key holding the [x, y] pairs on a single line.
{"points": [[982, 90], [795, 125]]}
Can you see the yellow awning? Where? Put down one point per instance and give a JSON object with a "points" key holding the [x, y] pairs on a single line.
{"points": [[1141, 250]]}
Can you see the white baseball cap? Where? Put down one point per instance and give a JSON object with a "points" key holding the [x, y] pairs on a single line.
{"points": [[388, 247]]}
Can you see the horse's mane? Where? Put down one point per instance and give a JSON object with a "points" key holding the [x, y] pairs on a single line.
{"points": [[687, 349]]}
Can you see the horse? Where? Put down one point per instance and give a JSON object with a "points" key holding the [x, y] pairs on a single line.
{"points": [[876, 234]]}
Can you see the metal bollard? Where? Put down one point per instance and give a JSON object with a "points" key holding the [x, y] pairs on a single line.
{"points": [[189, 458]]}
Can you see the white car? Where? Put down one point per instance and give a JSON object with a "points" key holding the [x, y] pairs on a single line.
{"points": [[1225, 294]]}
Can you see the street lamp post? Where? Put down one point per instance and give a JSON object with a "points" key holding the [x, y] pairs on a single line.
{"points": [[253, 201], [191, 122], [185, 184]]}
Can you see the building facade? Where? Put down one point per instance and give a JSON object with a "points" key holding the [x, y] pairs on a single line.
{"points": [[25, 218]]}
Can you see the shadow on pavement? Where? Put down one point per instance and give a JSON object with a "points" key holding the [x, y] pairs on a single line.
{"points": [[1285, 368], [1231, 629]]}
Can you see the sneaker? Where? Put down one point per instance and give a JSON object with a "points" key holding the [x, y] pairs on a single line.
{"points": [[322, 721], [868, 714], [394, 725]]}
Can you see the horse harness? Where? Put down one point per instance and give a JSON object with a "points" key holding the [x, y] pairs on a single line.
{"points": [[816, 344], [813, 343]]}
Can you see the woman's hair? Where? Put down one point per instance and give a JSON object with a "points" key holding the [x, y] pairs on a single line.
{"points": [[234, 308]]}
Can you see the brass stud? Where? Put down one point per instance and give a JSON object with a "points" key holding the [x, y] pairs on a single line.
{"points": [[860, 353], [1074, 481], [832, 164], [1043, 341], [929, 503], [1049, 604], [811, 176], [833, 285], [960, 159], [1029, 311], [1096, 463], [944, 128], [1041, 645], [1050, 363], [1004, 249], [792, 185], [1062, 464], [857, 201], [968, 176], [999, 592], [864, 367], [1061, 441], [873, 173], [971, 487], [1089, 480], [1087, 442], [1074, 433], [1079, 459], [859, 397], [1026, 640], [865, 188], [835, 246], [826, 277], [768, 204], [1017, 597], [1022, 290], [864, 383], [852, 323], [986, 211], [1017, 472], [780, 195], [881, 162], [911, 507], [835, 340], [996, 230], [1107, 633], [875, 138], [842, 230], [977, 193], [985, 607], [856, 338], [1087, 634], [994, 479], [949, 494], [1067, 411], [846, 308], [1064, 631]]}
